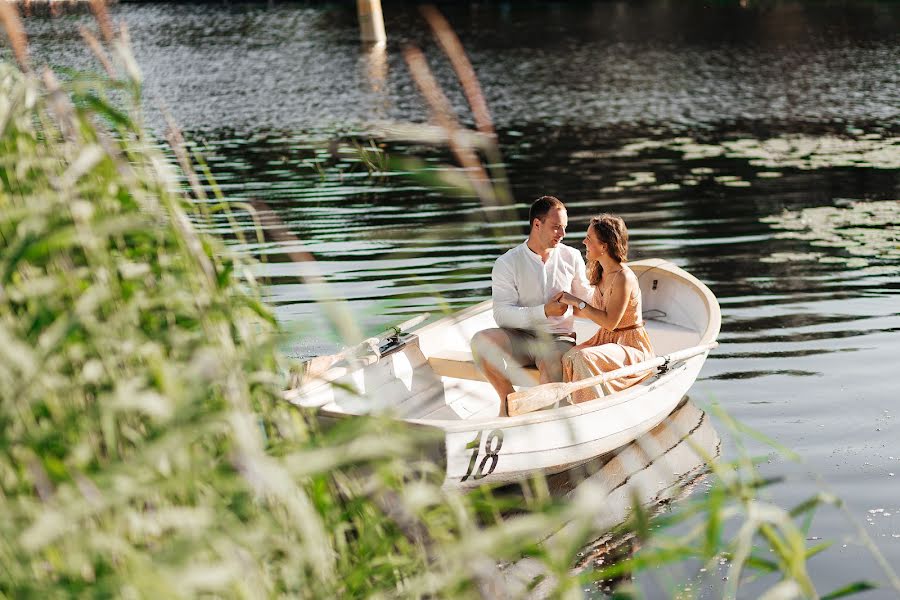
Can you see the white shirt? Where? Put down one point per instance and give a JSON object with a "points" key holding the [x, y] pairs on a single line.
{"points": [[521, 284]]}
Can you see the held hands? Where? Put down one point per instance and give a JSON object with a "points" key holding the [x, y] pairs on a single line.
{"points": [[555, 308], [567, 298], [560, 303]]}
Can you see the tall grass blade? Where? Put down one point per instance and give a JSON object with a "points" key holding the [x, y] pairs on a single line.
{"points": [[850, 589]]}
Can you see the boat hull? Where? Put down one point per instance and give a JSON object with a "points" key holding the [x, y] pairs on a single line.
{"points": [[506, 450]]}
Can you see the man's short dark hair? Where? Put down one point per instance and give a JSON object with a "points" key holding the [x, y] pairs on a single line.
{"points": [[542, 206]]}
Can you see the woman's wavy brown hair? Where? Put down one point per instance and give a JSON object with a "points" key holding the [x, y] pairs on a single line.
{"points": [[610, 230]]}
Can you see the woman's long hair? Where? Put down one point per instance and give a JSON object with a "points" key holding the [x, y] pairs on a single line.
{"points": [[610, 230]]}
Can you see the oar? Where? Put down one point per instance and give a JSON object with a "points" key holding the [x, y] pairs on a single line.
{"points": [[319, 364], [531, 399]]}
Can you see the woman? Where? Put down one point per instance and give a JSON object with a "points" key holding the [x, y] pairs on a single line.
{"points": [[615, 307]]}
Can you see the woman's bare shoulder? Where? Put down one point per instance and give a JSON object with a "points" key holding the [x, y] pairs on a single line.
{"points": [[629, 278]]}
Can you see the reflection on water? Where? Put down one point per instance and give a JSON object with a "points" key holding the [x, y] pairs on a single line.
{"points": [[652, 65], [756, 147], [377, 76], [656, 467], [661, 466]]}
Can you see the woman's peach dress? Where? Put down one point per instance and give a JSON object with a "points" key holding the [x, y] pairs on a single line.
{"points": [[627, 344]]}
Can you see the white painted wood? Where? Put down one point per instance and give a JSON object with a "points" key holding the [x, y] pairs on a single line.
{"points": [[431, 381]]}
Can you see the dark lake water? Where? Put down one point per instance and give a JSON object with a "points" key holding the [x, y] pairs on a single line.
{"points": [[758, 147]]}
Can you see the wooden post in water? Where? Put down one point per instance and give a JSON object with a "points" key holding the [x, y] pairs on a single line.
{"points": [[371, 21]]}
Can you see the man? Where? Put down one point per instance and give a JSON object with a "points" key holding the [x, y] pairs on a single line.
{"points": [[534, 329]]}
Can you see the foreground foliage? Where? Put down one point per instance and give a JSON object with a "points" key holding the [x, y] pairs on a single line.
{"points": [[144, 449]]}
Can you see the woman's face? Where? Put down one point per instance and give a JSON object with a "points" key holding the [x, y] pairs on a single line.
{"points": [[593, 244]]}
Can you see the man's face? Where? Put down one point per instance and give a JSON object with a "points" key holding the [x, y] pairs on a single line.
{"points": [[553, 228]]}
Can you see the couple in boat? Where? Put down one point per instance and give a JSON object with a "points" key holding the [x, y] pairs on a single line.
{"points": [[538, 289]]}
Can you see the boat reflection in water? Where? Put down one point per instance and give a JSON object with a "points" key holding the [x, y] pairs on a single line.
{"points": [[659, 467]]}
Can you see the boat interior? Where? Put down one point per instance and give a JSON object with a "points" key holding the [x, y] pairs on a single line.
{"points": [[430, 374]]}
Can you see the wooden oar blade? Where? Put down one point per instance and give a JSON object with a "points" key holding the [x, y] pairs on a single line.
{"points": [[318, 365], [536, 398]]}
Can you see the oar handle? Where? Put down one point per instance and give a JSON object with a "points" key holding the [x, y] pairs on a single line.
{"points": [[532, 399]]}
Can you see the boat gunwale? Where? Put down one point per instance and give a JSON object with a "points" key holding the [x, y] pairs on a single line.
{"points": [[562, 413], [714, 322]]}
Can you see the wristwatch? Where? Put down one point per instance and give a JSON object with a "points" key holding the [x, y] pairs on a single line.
{"points": [[581, 305]]}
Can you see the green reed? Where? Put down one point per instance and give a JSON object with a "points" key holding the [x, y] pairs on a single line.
{"points": [[145, 450], [145, 447]]}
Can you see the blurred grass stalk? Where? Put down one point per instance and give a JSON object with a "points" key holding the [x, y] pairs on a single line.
{"points": [[145, 450]]}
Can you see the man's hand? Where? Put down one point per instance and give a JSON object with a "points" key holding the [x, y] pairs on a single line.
{"points": [[555, 308], [567, 298]]}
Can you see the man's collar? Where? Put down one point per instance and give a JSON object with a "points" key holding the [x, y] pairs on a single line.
{"points": [[535, 254]]}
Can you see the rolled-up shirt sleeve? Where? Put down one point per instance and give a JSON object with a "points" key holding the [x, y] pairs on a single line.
{"points": [[507, 312]]}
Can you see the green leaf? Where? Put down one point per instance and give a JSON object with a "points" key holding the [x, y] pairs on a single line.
{"points": [[762, 564], [109, 111], [761, 437], [850, 589], [639, 517], [809, 506], [713, 537], [810, 552], [761, 482]]}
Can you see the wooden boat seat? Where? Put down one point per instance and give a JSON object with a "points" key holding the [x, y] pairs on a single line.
{"points": [[460, 365]]}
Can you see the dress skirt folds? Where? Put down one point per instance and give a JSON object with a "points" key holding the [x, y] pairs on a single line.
{"points": [[626, 345]]}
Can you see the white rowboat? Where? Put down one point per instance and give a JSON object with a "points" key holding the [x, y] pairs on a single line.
{"points": [[426, 376]]}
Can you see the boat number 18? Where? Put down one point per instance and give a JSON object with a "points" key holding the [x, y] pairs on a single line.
{"points": [[492, 446]]}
